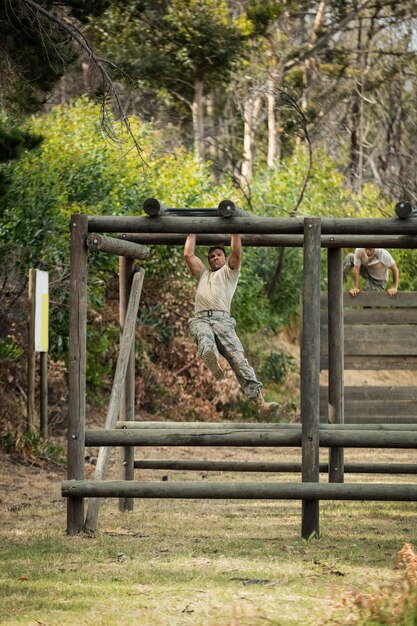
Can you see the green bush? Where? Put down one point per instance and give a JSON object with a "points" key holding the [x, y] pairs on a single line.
{"points": [[276, 366]]}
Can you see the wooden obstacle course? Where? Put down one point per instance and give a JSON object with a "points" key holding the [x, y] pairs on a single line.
{"points": [[311, 233]]}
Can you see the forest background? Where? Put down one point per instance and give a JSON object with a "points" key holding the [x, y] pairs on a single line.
{"points": [[287, 108]]}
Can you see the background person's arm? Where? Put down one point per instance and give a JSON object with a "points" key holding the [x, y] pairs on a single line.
{"points": [[392, 291], [355, 289]]}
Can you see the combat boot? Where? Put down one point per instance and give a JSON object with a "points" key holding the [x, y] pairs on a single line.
{"points": [[210, 359], [266, 409]]}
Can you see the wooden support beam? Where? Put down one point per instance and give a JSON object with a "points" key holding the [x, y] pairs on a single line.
{"points": [[31, 357], [121, 247], [77, 366], [251, 438], [310, 374], [204, 426], [249, 225], [273, 241], [127, 405], [270, 466], [116, 392], [336, 356], [239, 491]]}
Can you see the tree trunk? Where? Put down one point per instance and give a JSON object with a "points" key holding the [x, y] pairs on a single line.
{"points": [[212, 148], [251, 110], [198, 119], [272, 125], [309, 63]]}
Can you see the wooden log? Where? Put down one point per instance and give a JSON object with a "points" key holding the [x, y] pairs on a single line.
{"points": [[270, 466], [31, 367], [43, 395], [273, 241], [382, 407], [336, 357], [77, 366], [154, 207], [116, 392], [247, 225], [310, 373], [239, 491], [367, 362], [375, 299], [220, 437], [392, 420], [373, 316], [227, 208], [127, 405], [113, 245], [371, 393], [262, 438], [382, 340], [209, 426]]}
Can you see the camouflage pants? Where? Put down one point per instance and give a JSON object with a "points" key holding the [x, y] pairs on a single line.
{"points": [[372, 284], [218, 333]]}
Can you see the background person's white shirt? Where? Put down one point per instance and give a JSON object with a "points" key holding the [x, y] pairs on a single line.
{"points": [[377, 264]]}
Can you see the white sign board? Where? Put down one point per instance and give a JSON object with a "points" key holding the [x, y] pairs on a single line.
{"points": [[41, 311]]}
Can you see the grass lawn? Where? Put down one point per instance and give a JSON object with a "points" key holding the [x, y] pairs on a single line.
{"points": [[178, 562]]}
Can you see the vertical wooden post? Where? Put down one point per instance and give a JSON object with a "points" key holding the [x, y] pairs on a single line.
{"points": [[127, 405], [310, 372], [31, 411], [77, 367], [336, 356], [44, 395]]}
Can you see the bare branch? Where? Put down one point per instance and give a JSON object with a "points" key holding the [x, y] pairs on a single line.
{"points": [[109, 86]]}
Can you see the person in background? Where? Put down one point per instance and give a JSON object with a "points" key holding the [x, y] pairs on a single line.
{"points": [[373, 265], [212, 327]]}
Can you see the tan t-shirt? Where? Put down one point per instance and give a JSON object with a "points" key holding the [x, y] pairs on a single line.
{"points": [[215, 290], [377, 265]]}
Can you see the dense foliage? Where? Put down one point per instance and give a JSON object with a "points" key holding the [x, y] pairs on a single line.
{"points": [[77, 169], [289, 108]]}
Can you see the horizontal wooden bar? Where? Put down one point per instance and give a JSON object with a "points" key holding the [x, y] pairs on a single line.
{"points": [[367, 362], [380, 407], [270, 466], [380, 420], [382, 340], [248, 225], [113, 245], [261, 438], [196, 426], [273, 241], [238, 491], [352, 317], [371, 393], [375, 299]]}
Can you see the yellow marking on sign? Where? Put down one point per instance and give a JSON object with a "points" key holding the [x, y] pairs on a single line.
{"points": [[45, 329]]}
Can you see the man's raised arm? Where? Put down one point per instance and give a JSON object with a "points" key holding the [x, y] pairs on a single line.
{"points": [[195, 264], [235, 257]]}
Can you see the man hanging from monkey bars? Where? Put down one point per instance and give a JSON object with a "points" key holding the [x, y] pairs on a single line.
{"points": [[212, 327]]}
